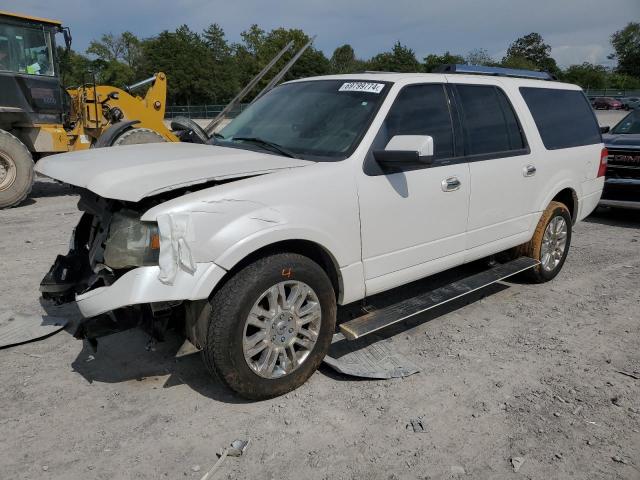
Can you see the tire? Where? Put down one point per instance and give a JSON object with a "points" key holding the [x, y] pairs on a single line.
{"points": [[536, 247], [138, 136], [230, 335], [16, 170]]}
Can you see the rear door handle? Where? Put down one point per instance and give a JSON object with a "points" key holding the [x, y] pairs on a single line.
{"points": [[529, 171], [451, 184]]}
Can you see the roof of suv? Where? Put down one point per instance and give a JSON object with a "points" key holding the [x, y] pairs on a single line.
{"points": [[451, 77]]}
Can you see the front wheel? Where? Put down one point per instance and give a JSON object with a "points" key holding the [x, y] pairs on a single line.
{"points": [[550, 242], [271, 325]]}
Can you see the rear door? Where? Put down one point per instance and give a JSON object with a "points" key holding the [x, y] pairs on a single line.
{"points": [[502, 170]]}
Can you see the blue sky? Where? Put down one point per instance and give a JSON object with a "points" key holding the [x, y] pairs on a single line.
{"points": [[577, 30]]}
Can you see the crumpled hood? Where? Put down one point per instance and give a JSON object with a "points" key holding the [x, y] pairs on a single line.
{"points": [[134, 172]]}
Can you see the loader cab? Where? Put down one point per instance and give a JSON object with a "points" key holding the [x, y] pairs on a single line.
{"points": [[30, 88]]}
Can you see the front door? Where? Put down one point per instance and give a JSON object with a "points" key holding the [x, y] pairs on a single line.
{"points": [[413, 222]]}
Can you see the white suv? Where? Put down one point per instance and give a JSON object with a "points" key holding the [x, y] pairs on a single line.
{"points": [[324, 191]]}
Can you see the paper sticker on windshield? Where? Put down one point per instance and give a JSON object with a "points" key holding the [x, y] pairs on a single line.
{"points": [[368, 87]]}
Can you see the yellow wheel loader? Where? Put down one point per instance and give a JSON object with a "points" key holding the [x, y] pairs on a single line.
{"points": [[38, 117]]}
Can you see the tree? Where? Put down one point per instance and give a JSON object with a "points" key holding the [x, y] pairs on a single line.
{"points": [[74, 67], [518, 62], [479, 56], [225, 75], [622, 81], [626, 43], [215, 39], [117, 57], [531, 48], [184, 56], [123, 48], [344, 60], [258, 48], [433, 61], [587, 75], [399, 59]]}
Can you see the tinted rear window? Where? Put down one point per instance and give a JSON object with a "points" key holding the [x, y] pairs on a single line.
{"points": [[489, 121], [564, 117]]}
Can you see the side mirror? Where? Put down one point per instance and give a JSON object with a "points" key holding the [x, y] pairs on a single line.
{"points": [[66, 33], [605, 129], [404, 151]]}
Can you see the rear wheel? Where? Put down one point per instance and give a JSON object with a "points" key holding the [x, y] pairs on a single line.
{"points": [[137, 136], [16, 170], [271, 325], [550, 242]]}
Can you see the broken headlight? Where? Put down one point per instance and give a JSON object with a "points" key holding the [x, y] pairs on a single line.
{"points": [[131, 242]]}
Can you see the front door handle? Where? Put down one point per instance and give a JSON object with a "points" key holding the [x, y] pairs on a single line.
{"points": [[529, 171], [451, 184]]}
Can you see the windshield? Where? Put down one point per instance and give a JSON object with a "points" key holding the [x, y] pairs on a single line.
{"points": [[629, 124], [26, 50], [318, 120]]}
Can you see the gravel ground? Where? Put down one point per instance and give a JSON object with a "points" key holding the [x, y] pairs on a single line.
{"points": [[517, 372]]}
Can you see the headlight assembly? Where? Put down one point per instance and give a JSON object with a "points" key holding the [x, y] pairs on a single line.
{"points": [[131, 243]]}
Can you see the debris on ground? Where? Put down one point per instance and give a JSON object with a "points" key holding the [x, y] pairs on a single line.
{"points": [[417, 425], [368, 358], [635, 375], [619, 459], [236, 449], [516, 463]]}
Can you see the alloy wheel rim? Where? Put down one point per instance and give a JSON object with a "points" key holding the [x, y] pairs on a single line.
{"points": [[554, 243], [7, 171], [282, 329]]}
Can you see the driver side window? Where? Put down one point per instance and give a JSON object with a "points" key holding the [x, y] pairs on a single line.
{"points": [[421, 110], [417, 110]]}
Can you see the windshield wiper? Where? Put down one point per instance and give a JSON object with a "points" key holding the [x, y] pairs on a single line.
{"points": [[267, 144]]}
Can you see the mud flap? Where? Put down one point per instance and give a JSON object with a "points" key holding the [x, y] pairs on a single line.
{"points": [[367, 358]]}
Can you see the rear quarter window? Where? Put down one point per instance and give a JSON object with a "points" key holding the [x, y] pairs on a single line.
{"points": [[564, 118]]}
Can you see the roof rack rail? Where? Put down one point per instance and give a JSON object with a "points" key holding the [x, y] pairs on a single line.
{"points": [[497, 71]]}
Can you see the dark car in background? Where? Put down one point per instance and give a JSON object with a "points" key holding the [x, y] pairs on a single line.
{"points": [[606, 103], [622, 181], [630, 103]]}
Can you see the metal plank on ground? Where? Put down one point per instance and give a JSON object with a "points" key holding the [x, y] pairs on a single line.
{"points": [[18, 328]]}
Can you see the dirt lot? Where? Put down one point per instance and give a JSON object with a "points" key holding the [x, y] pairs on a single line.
{"points": [[520, 370]]}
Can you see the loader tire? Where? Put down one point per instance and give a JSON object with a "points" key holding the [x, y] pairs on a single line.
{"points": [[16, 170], [137, 136]]}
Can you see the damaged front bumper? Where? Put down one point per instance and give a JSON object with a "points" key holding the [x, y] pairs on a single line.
{"points": [[141, 285], [113, 300]]}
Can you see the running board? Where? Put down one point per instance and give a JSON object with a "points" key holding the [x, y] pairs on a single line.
{"points": [[374, 321]]}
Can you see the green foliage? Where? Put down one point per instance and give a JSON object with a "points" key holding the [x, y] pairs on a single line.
{"points": [[622, 81], [626, 44], [186, 59], [518, 62], [586, 75], [73, 67], [400, 59], [344, 60], [433, 61], [206, 68], [479, 56], [531, 48]]}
